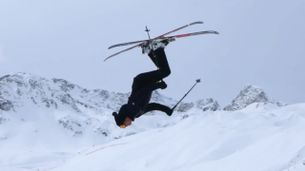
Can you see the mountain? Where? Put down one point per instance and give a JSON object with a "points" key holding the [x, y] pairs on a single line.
{"points": [[249, 95], [78, 110], [20, 89], [53, 124]]}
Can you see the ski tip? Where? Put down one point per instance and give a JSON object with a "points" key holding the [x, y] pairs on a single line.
{"points": [[198, 80], [112, 46], [197, 22], [107, 58], [212, 32]]}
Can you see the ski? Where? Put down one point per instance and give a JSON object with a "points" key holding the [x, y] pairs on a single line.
{"points": [[124, 50], [179, 28], [171, 38], [126, 43], [172, 31], [166, 37], [190, 34], [141, 42]]}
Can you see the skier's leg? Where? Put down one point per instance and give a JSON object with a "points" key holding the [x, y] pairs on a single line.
{"points": [[161, 62], [145, 80], [159, 58], [160, 107], [153, 58]]}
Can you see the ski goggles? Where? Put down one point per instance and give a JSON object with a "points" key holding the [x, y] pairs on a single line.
{"points": [[122, 126]]}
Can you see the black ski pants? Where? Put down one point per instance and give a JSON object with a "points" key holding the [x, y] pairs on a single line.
{"points": [[149, 78]]}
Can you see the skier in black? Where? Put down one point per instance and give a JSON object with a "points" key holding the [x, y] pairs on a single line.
{"points": [[143, 86]]}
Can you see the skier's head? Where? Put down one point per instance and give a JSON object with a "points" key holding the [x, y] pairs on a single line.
{"points": [[121, 118]]}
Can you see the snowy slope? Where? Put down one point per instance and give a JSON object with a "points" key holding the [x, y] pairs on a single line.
{"points": [[253, 139]]}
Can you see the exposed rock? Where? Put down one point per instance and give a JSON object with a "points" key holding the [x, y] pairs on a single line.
{"points": [[71, 125], [208, 104], [184, 107], [6, 105], [64, 85], [250, 94]]}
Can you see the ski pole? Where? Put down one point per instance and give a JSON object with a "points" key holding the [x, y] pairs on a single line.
{"points": [[197, 81], [147, 31]]}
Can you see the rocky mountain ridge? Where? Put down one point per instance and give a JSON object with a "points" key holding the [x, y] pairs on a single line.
{"points": [[19, 89]]}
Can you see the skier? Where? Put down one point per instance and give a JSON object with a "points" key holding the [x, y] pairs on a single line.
{"points": [[143, 86]]}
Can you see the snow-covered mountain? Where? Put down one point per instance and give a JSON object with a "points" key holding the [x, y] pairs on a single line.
{"points": [[48, 124], [249, 95], [20, 89], [76, 110]]}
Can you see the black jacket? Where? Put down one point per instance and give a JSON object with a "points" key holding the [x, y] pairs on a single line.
{"points": [[139, 101]]}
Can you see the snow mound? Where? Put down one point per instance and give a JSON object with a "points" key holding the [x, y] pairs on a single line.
{"points": [[223, 141]]}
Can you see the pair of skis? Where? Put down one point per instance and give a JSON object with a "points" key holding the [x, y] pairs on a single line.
{"points": [[164, 36]]}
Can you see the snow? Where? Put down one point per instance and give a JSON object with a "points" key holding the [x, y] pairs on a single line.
{"points": [[261, 136], [224, 141]]}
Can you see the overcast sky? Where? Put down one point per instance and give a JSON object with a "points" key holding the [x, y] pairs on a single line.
{"points": [[261, 43]]}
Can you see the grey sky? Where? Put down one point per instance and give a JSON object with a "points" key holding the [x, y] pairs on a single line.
{"points": [[261, 43]]}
